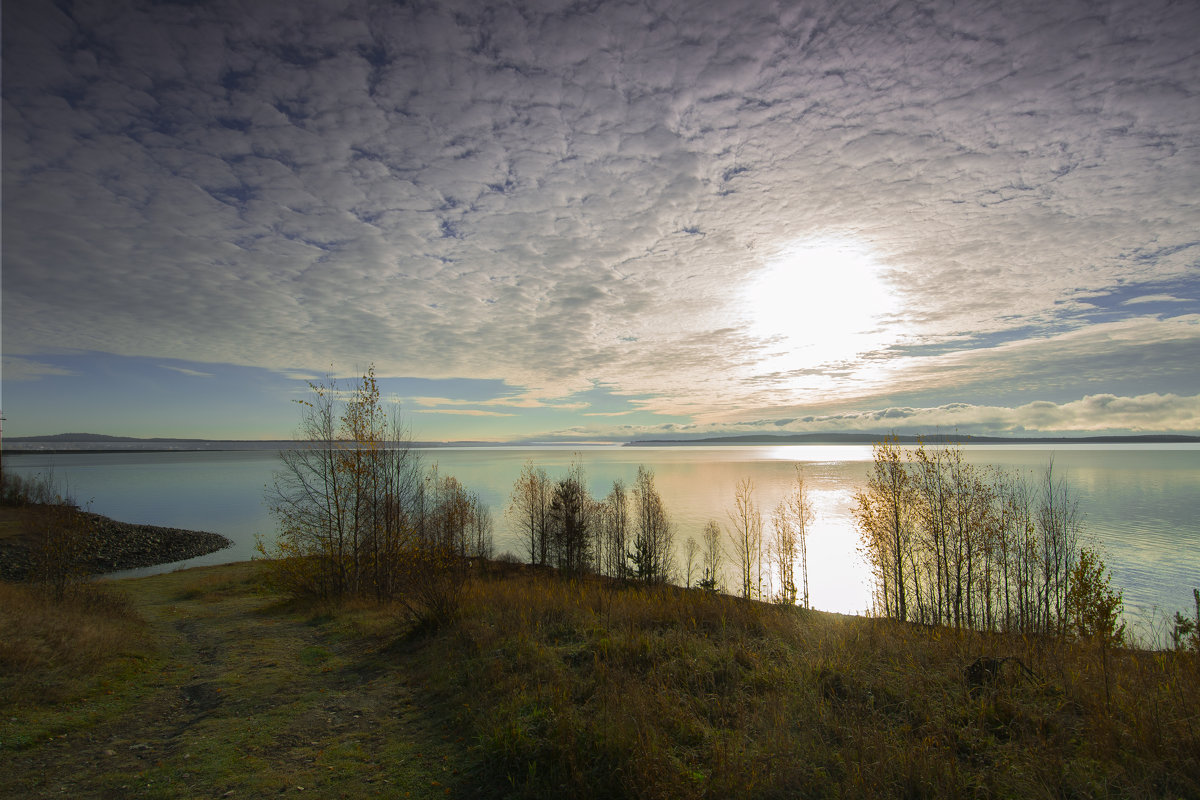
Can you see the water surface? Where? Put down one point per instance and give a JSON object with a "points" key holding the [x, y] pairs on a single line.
{"points": [[1141, 502]]}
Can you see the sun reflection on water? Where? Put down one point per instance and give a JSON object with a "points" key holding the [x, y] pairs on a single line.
{"points": [[817, 453]]}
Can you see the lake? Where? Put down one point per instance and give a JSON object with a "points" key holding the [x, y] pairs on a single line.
{"points": [[1141, 502]]}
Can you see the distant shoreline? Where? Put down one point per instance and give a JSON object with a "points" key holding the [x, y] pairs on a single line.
{"points": [[867, 438], [94, 444]]}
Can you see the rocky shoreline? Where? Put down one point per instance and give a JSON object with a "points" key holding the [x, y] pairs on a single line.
{"points": [[111, 546]]}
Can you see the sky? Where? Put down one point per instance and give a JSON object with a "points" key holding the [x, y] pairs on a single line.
{"points": [[603, 220]]}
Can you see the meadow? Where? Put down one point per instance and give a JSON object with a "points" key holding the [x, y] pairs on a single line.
{"points": [[206, 682]]}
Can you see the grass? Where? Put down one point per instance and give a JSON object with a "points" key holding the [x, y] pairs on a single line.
{"points": [[205, 683], [670, 693], [64, 660], [228, 691]]}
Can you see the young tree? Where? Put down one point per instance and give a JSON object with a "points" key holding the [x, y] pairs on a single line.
{"points": [[1185, 631], [529, 508], [711, 558], [343, 495], [952, 543], [614, 524], [690, 549], [653, 535], [789, 545], [355, 515], [883, 522], [746, 535], [783, 550], [1093, 608], [1058, 528], [479, 529], [572, 512]]}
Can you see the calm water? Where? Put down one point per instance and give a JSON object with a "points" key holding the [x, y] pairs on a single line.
{"points": [[1141, 503]]}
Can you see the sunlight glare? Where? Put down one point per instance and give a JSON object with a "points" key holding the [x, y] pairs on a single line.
{"points": [[818, 302]]}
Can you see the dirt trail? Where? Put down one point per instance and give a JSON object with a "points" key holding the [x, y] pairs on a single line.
{"points": [[250, 698]]}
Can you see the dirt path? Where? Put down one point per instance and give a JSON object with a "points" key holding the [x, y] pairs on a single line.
{"points": [[247, 699]]}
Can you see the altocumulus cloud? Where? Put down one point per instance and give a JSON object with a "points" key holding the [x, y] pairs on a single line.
{"points": [[552, 196], [1150, 413]]}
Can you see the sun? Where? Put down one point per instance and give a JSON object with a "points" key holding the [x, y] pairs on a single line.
{"points": [[820, 303]]}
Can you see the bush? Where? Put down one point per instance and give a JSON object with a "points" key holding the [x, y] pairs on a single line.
{"points": [[19, 492], [358, 518], [60, 533], [57, 530], [1093, 608], [1185, 632]]}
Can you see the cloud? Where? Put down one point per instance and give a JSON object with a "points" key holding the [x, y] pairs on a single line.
{"points": [[1093, 414], [195, 373], [465, 412], [24, 369], [1155, 298], [515, 194], [307, 377]]}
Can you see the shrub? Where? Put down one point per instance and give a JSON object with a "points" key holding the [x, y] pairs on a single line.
{"points": [[357, 518]]}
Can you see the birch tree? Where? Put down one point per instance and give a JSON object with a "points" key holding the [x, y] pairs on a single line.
{"points": [[529, 509], [712, 558], [789, 543], [653, 533], [745, 534]]}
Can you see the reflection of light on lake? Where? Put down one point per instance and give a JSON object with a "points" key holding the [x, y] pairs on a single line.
{"points": [[838, 578], [812, 453]]}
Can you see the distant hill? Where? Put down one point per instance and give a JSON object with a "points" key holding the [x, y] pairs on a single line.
{"points": [[103, 442], [872, 438], [90, 437]]}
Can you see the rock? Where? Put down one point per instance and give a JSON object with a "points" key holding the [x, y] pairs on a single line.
{"points": [[110, 546]]}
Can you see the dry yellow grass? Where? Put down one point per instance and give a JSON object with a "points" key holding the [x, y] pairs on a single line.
{"points": [[51, 652], [549, 687], [611, 691]]}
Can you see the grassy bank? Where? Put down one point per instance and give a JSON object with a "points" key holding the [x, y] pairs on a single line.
{"points": [[204, 684]]}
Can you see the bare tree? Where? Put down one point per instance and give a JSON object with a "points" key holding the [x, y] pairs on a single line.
{"points": [[343, 496], [690, 549], [712, 558], [1058, 527], [652, 531], [529, 508], [788, 547], [356, 518], [746, 535], [479, 528], [614, 550]]}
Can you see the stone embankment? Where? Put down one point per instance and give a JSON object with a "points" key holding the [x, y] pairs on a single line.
{"points": [[109, 546]]}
